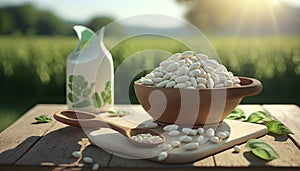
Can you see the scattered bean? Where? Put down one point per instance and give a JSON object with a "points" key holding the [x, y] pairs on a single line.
{"points": [[87, 160], [95, 166], [191, 146], [214, 139], [151, 125], [210, 132], [200, 130], [162, 156], [76, 154], [166, 147], [170, 127], [175, 143], [173, 133], [237, 148], [221, 135], [185, 138], [189, 131]]}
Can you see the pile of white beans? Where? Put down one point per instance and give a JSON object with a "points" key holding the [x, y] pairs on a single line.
{"points": [[190, 71], [187, 138], [147, 138]]}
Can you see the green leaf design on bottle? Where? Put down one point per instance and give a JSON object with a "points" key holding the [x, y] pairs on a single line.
{"points": [[81, 93], [97, 101]]}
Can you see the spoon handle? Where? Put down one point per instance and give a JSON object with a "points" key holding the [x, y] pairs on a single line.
{"points": [[86, 120]]}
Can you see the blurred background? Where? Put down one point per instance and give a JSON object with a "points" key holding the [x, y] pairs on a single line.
{"points": [[254, 38]]}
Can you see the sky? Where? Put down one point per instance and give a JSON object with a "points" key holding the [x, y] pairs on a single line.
{"points": [[83, 10]]}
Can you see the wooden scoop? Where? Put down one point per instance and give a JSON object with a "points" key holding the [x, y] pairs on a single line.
{"points": [[89, 120]]}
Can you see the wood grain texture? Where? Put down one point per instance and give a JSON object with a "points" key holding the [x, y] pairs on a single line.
{"points": [[287, 150], [17, 139], [288, 115]]}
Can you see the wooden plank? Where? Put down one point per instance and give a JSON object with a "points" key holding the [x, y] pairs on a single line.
{"points": [[288, 115], [17, 139], [289, 154], [55, 148]]}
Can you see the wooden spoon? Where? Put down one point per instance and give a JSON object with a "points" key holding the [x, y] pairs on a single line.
{"points": [[89, 120]]}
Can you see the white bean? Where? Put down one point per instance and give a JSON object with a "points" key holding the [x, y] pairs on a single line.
{"points": [[190, 88], [95, 166], [212, 63], [173, 133], [210, 132], [201, 85], [175, 143], [180, 85], [200, 139], [193, 81], [167, 76], [200, 130], [237, 148], [191, 146], [76, 154], [185, 138], [189, 131], [151, 125], [87, 160], [165, 64], [209, 69], [195, 73], [221, 135], [182, 70], [173, 67], [214, 139], [150, 76], [187, 54], [228, 83], [210, 83], [163, 83], [227, 133], [157, 79], [170, 127], [158, 74], [182, 79], [188, 83], [170, 84], [195, 66], [201, 80], [162, 156], [147, 82]]}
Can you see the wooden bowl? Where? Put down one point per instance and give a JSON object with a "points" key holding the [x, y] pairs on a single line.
{"points": [[193, 108]]}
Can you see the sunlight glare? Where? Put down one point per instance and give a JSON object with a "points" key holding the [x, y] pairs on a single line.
{"points": [[275, 2]]}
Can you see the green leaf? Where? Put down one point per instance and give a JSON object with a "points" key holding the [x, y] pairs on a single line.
{"points": [[277, 127], [43, 119], [107, 85], [259, 117], [96, 100], [71, 78], [86, 92], [103, 95], [72, 97], [236, 114], [70, 86], [261, 149], [112, 112]]}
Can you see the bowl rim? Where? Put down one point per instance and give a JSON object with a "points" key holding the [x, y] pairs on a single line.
{"points": [[254, 82]]}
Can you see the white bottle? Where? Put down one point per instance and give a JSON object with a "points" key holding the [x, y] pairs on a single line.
{"points": [[90, 73]]}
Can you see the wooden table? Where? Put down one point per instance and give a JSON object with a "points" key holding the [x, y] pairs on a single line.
{"points": [[29, 146]]}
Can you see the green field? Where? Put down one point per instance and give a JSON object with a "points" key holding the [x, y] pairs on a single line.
{"points": [[32, 69]]}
